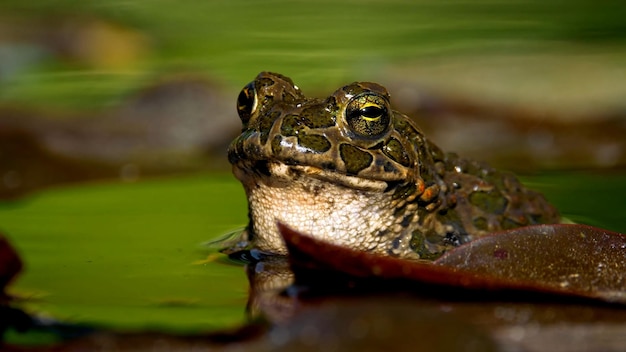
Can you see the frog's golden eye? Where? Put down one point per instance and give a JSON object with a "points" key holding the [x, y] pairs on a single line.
{"points": [[368, 115], [246, 102]]}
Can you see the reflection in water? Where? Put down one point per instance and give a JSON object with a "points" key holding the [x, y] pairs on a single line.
{"points": [[270, 279], [268, 295]]}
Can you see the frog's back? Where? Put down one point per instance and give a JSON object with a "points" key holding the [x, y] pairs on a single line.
{"points": [[478, 200]]}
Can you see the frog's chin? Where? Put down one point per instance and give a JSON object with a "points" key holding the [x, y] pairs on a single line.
{"points": [[276, 173]]}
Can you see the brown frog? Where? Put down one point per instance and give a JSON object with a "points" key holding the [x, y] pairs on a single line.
{"points": [[351, 171]]}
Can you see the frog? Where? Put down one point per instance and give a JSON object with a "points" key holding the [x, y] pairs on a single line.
{"points": [[351, 171]]}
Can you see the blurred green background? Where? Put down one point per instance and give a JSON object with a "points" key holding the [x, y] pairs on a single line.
{"points": [[126, 253], [118, 45]]}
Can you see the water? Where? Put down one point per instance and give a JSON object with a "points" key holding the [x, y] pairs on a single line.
{"points": [[129, 255]]}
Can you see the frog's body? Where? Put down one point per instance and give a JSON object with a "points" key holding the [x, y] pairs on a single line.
{"points": [[350, 170]]}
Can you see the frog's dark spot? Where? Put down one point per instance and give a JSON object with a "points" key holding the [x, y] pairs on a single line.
{"points": [[404, 191], [312, 118], [276, 147], [491, 201], [288, 97], [329, 165], [385, 165], [480, 223], [453, 238], [395, 244], [388, 167], [406, 221], [417, 241], [251, 149], [354, 158], [291, 126], [508, 224], [265, 124], [264, 82], [421, 245], [394, 150], [262, 168], [537, 218], [331, 105], [314, 142], [265, 102], [407, 131]]}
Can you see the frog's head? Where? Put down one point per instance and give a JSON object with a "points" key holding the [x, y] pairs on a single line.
{"points": [[346, 168]]}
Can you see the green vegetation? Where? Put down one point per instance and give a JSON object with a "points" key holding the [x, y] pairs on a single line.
{"points": [[322, 43], [586, 198], [123, 255]]}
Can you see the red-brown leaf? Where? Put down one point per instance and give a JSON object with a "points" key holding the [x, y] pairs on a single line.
{"points": [[318, 262]]}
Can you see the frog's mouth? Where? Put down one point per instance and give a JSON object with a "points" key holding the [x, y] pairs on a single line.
{"points": [[279, 174]]}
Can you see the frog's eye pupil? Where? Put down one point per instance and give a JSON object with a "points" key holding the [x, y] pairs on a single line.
{"points": [[246, 102], [372, 111], [367, 115]]}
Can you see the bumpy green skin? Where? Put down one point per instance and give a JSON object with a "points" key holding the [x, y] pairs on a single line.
{"points": [[350, 170]]}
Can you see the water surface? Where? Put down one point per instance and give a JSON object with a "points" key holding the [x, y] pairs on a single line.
{"points": [[129, 255]]}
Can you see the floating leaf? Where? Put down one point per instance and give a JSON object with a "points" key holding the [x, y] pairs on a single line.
{"points": [[575, 258], [324, 266]]}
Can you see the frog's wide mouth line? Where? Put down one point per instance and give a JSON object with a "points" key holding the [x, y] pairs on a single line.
{"points": [[276, 172]]}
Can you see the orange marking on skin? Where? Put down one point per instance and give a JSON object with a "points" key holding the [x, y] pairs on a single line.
{"points": [[429, 193], [420, 186]]}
